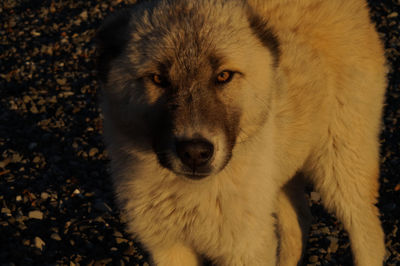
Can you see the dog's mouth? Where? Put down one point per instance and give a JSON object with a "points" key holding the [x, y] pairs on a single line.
{"points": [[194, 175]]}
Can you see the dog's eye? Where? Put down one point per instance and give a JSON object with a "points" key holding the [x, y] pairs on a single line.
{"points": [[159, 80], [225, 76]]}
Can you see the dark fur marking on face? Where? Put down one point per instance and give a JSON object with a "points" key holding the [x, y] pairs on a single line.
{"points": [[266, 35], [215, 62]]}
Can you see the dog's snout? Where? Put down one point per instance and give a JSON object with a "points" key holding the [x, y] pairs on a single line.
{"points": [[194, 153]]}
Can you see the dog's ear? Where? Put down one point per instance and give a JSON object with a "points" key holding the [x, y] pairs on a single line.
{"points": [[111, 39], [264, 33]]}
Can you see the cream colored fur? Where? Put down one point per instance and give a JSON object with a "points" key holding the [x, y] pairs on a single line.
{"points": [[324, 121]]}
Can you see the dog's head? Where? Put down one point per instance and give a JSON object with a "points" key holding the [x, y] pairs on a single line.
{"points": [[190, 79]]}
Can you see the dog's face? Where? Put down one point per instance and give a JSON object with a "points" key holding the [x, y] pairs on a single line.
{"points": [[187, 79]]}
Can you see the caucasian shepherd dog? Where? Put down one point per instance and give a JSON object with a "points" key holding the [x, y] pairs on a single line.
{"points": [[217, 111]]}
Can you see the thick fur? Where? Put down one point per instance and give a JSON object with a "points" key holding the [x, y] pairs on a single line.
{"points": [[305, 102]]}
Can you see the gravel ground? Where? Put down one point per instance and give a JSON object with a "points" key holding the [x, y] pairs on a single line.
{"points": [[55, 194]]}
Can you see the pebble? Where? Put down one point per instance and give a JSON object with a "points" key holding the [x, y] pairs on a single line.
{"points": [[36, 159], [44, 195], [120, 240], [4, 163], [334, 244], [16, 157], [130, 251], [6, 211], [103, 262], [93, 152], [35, 215], [117, 234], [84, 15], [313, 259], [325, 230], [55, 236], [34, 109], [39, 243], [62, 81]]}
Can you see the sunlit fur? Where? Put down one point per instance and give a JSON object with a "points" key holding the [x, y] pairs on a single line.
{"points": [[305, 104]]}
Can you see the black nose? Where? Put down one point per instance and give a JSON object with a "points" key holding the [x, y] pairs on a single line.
{"points": [[194, 153]]}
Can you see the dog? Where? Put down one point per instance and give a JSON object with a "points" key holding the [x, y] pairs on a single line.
{"points": [[217, 112]]}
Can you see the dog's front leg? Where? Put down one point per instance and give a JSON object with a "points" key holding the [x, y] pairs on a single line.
{"points": [[347, 177], [175, 255]]}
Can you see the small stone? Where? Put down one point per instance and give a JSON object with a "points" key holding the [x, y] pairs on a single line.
{"points": [[103, 262], [315, 196], [26, 242], [18, 198], [93, 152], [313, 259], [393, 15], [3, 223], [34, 109], [61, 81], [44, 195], [325, 230], [333, 246], [35, 215], [36, 159], [35, 33], [4, 163], [55, 236], [84, 15], [118, 234], [129, 251], [26, 98], [76, 192], [6, 211], [16, 158], [39, 243], [120, 240]]}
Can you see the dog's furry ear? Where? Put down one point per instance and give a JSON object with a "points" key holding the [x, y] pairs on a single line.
{"points": [[265, 34], [111, 39]]}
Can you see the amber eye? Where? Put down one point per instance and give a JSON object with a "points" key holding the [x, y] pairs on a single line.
{"points": [[157, 79], [225, 76]]}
